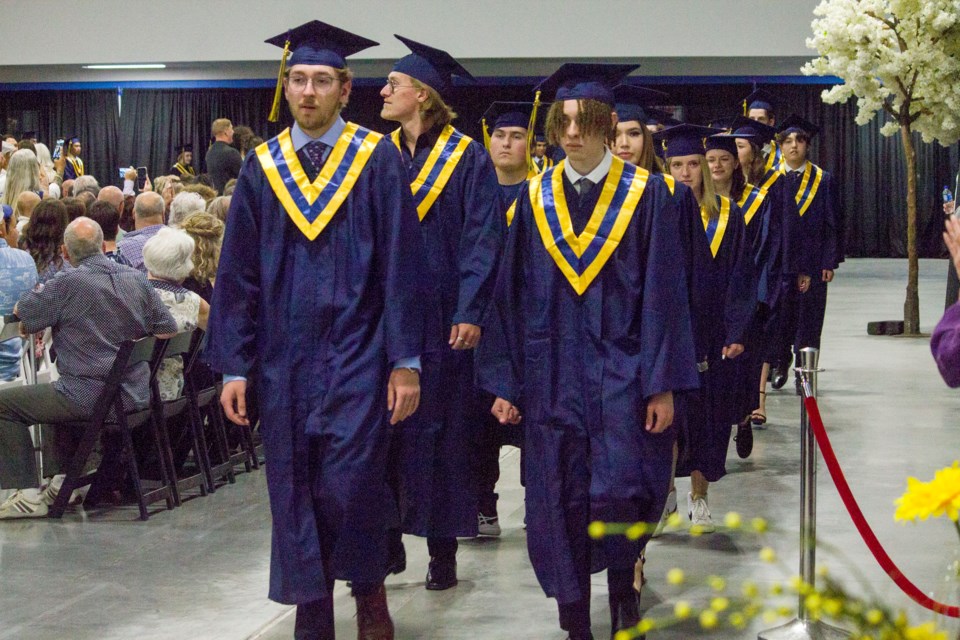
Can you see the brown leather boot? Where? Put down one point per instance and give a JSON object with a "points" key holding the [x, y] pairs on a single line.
{"points": [[373, 616]]}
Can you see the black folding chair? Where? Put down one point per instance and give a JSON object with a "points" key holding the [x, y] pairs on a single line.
{"points": [[109, 416]]}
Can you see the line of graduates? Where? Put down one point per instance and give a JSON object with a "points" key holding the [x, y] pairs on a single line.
{"points": [[610, 303]]}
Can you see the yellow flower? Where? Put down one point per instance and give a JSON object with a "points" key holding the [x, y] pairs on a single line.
{"points": [[597, 530], [635, 531], [708, 619], [719, 604], [833, 607], [675, 576], [759, 525], [717, 583], [675, 520], [767, 554], [737, 620], [927, 631], [750, 589], [733, 520], [874, 616], [939, 497], [682, 610], [645, 625]]}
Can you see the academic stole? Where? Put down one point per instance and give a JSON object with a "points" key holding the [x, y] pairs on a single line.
{"points": [[580, 258], [436, 171], [809, 185], [750, 202], [185, 170], [773, 168], [77, 165], [547, 164], [311, 206], [716, 227]]}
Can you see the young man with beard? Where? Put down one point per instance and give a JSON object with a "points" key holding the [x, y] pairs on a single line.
{"points": [[317, 303], [455, 191], [592, 304]]}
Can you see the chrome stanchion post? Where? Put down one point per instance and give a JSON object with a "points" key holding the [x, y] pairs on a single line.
{"points": [[803, 627]]}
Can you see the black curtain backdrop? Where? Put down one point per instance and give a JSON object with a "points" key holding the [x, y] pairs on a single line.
{"points": [[91, 114], [868, 167]]}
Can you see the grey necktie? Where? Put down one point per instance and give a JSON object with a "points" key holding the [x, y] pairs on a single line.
{"points": [[585, 186]]}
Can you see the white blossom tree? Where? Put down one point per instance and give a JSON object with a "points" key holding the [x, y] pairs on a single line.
{"points": [[901, 57]]}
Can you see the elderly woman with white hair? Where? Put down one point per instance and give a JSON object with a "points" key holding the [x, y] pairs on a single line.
{"points": [[184, 205], [168, 257]]}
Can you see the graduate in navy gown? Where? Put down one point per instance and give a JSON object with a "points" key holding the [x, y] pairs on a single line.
{"points": [[457, 198], [72, 162], [593, 307], [634, 141], [318, 303], [722, 304], [819, 233]]}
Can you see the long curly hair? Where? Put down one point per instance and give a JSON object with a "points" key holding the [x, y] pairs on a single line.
{"points": [[207, 232], [43, 235]]}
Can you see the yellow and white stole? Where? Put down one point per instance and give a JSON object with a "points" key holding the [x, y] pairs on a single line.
{"points": [[436, 171], [311, 206], [581, 257]]}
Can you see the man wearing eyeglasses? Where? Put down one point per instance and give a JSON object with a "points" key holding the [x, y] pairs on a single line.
{"points": [[317, 302]]}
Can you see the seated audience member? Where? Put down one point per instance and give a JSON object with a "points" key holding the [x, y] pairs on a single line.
{"points": [[205, 192], [171, 189], [148, 220], [66, 189], [229, 187], [207, 233], [206, 180], [219, 207], [168, 258], [23, 176], [18, 274], [105, 215], [24, 207], [43, 238], [185, 205], [126, 216], [113, 195], [74, 306], [86, 198], [75, 208], [48, 171], [84, 184]]}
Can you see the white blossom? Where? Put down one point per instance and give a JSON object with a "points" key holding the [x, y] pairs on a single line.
{"points": [[900, 57]]}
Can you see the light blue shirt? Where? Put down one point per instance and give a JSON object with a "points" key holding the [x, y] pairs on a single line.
{"points": [[18, 274], [300, 139]]}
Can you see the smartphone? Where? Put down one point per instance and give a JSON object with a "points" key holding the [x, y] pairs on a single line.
{"points": [[141, 178], [123, 173], [58, 149]]}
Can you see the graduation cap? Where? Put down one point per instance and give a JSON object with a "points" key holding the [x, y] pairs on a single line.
{"points": [[796, 124], [631, 101], [73, 138], [314, 42], [579, 81], [724, 122], [540, 138], [507, 114], [659, 116], [759, 99], [433, 67], [185, 147], [685, 139], [755, 131], [725, 142]]}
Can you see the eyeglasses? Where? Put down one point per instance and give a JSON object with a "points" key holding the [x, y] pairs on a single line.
{"points": [[394, 85], [320, 83]]}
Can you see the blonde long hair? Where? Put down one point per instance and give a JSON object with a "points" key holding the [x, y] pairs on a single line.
{"points": [[23, 174], [207, 232], [709, 199]]}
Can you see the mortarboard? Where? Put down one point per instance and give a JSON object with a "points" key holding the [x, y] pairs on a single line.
{"points": [[757, 132], [185, 147], [685, 139], [73, 138], [632, 102], [659, 116], [725, 142], [579, 81], [507, 114], [796, 124], [540, 138], [314, 42], [433, 67], [759, 99]]}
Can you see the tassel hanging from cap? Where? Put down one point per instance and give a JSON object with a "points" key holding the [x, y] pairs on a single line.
{"points": [[745, 114], [486, 134], [531, 134], [275, 109]]}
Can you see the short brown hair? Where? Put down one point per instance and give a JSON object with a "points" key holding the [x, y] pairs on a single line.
{"points": [[594, 118], [434, 110], [219, 126]]}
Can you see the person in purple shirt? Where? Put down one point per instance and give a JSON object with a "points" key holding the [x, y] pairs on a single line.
{"points": [[945, 341]]}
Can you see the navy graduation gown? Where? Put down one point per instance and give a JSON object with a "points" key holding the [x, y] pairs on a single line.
{"points": [[580, 368], [317, 324], [723, 302], [463, 236]]}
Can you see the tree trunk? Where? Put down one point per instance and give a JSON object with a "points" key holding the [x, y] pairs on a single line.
{"points": [[911, 306]]}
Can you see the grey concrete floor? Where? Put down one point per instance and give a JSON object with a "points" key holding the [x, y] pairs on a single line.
{"points": [[201, 570]]}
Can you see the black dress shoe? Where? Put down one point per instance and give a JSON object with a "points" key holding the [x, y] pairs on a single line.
{"points": [[397, 562], [624, 612], [744, 437], [577, 636], [441, 574], [778, 377]]}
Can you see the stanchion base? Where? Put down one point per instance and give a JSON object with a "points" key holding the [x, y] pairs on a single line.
{"points": [[798, 630]]}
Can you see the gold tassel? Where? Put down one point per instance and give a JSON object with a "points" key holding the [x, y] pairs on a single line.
{"points": [[275, 109], [531, 134], [486, 134], [745, 114]]}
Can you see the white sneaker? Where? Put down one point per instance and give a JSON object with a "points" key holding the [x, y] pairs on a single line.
{"points": [[22, 505], [488, 525], [50, 492], [669, 509], [699, 514]]}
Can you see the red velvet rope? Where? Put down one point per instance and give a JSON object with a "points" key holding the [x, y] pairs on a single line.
{"points": [[816, 422]]}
